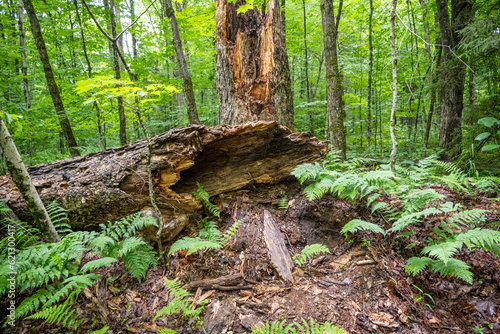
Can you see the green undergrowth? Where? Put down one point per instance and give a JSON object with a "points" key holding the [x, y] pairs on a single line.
{"points": [[412, 187], [52, 274], [303, 327]]}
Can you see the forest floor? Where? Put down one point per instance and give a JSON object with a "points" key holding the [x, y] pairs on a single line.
{"points": [[360, 287]]}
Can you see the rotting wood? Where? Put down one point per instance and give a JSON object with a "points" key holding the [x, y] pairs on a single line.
{"points": [[103, 186], [232, 279]]}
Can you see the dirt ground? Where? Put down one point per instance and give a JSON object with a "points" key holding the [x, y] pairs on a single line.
{"points": [[361, 286]]}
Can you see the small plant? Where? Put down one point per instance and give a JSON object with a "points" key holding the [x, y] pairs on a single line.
{"points": [[283, 203], [308, 252], [420, 298], [181, 302], [201, 194], [311, 327]]}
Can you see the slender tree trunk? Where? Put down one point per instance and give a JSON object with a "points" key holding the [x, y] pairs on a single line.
{"points": [[313, 97], [23, 182], [335, 112], [24, 71], [116, 68], [452, 74], [306, 70], [181, 61], [134, 40], [102, 141], [472, 87], [253, 76], [283, 18], [394, 86], [434, 82], [51, 82], [370, 72]]}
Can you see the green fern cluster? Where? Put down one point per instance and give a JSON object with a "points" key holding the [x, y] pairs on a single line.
{"points": [[308, 252], [311, 327], [180, 301], [59, 217], [209, 237], [53, 269]]}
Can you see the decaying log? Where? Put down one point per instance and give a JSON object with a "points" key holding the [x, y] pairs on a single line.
{"points": [[265, 254], [104, 186], [219, 317], [219, 281]]}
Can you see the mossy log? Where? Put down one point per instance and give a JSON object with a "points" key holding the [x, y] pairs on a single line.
{"points": [[105, 186]]}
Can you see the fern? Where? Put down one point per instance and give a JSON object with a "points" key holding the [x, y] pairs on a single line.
{"points": [[309, 252], [453, 268], [192, 245], [139, 260], [166, 331], [307, 172], [415, 265], [311, 327], [205, 198], [96, 264], [412, 218], [103, 330], [62, 313], [418, 198], [357, 224], [232, 230], [59, 217], [283, 203], [470, 218], [181, 302]]}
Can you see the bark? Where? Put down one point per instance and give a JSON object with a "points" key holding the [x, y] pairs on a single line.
{"points": [[434, 82], [370, 72], [181, 61], [394, 87], [335, 112], [51, 82], [253, 76], [452, 76], [134, 40], [22, 180], [117, 65], [105, 185]]}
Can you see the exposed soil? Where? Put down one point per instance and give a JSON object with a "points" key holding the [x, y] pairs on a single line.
{"points": [[361, 286]]}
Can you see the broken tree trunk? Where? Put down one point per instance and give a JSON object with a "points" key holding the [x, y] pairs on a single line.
{"points": [[253, 75], [107, 185]]}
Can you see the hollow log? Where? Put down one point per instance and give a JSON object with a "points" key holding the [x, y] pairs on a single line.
{"points": [[105, 186]]}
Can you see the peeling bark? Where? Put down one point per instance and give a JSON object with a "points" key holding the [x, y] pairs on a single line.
{"points": [[102, 186], [253, 75]]}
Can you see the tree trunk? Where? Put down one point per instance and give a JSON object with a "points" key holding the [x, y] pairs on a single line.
{"points": [[394, 87], [335, 113], [306, 70], [253, 76], [370, 72], [134, 40], [117, 65], [434, 82], [181, 61], [105, 185], [452, 76], [51, 82], [22, 180]]}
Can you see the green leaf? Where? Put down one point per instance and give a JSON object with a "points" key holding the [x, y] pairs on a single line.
{"points": [[357, 224], [482, 136], [490, 147], [488, 121]]}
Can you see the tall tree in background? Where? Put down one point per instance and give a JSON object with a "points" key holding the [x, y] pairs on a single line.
{"points": [[23, 182], [51, 82], [181, 61], [394, 86], [370, 73], [253, 76], [306, 70], [335, 113], [452, 74], [117, 65]]}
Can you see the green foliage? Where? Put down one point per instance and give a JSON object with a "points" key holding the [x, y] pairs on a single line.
{"points": [[180, 302], [309, 252], [103, 330], [59, 217], [357, 225], [311, 327], [205, 198]]}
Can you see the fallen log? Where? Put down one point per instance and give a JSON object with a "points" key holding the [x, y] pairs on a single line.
{"points": [[104, 186]]}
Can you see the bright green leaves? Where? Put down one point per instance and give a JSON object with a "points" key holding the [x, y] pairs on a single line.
{"points": [[488, 121]]}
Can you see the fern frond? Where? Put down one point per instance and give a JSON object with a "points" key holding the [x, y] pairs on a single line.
{"points": [[454, 268], [358, 224], [102, 331], [378, 178], [470, 218], [482, 238], [203, 195], [379, 205], [210, 231], [415, 265], [129, 245], [307, 172], [181, 302], [308, 252], [418, 198], [451, 168], [96, 264], [166, 331], [232, 230], [443, 251], [138, 261], [192, 245], [412, 218]]}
